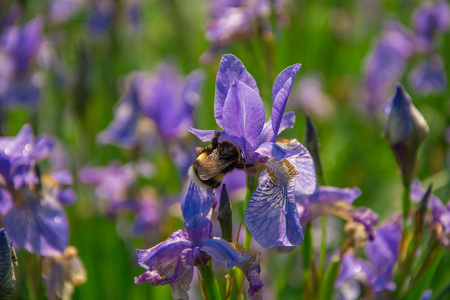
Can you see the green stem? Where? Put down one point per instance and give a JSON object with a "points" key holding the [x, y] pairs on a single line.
{"points": [[327, 290], [306, 259], [252, 184], [210, 286], [406, 202]]}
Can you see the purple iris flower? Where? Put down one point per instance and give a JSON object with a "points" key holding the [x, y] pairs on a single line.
{"points": [[172, 261], [33, 219], [382, 254], [429, 76], [386, 64], [18, 84], [271, 214], [231, 20], [112, 182], [164, 97], [430, 18]]}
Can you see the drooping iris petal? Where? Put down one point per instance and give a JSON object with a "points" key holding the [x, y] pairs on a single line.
{"points": [[37, 225], [163, 253], [271, 215], [222, 251], [334, 194], [243, 117], [267, 134], [306, 181], [195, 205], [170, 262], [383, 253], [7, 279], [280, 93], [231, 68]]}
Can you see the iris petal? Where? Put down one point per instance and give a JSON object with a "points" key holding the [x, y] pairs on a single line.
{"points": [[231, 68], [271, 214], [280, 93], [195, 205], [243, 117], [287, 121], [37, 225], [203, 135], [303, 162], [122, 130], [222, 251], [270, 149]]}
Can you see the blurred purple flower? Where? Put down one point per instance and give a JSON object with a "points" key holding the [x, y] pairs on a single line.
{"points": [[18, 85], [164, 97], [100, 18], [231, 20], [33, 218], [112, 182], [429, 18], [62, 10], [324, 194], [123, 129], [169, 100], [172, 261], [429, 76], [382, 254], [271, 215], [309, 97], [386, 64]]}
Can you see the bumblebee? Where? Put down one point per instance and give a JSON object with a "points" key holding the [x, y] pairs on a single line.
{"points": [[214, 161]]}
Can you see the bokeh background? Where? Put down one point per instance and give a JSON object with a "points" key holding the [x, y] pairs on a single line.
{"points": [[82, 68]]}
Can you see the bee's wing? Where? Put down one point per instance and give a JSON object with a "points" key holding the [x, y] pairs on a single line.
{"points": [[212, 166]]}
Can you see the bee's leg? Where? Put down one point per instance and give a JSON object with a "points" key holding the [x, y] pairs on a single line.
{"points": [[244, 166], [215, 140]]}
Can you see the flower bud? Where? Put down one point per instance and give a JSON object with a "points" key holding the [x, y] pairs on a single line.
{"points": [[406, 129]]}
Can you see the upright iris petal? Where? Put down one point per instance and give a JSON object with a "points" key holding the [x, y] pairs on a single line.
{"points": [[243, 118], [280, 93], [230, 68]]}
